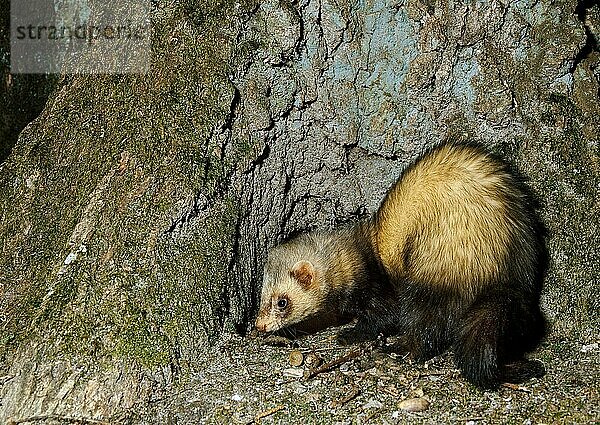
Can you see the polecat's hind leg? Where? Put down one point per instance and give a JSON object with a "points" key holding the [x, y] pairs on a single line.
{"points": [[476, 345], [522, 370], [493, 337]]}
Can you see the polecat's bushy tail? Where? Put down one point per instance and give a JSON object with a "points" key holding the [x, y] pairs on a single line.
{"points": [[495, 333]]}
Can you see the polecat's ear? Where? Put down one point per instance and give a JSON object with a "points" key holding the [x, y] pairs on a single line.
{"points": [[304, 272]]}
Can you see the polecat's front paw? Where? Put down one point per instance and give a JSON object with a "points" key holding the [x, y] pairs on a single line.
{"points": [[355, 335], [400, 344]]}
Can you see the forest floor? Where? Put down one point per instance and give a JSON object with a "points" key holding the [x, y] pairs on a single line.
{"points": [[253, 380]]}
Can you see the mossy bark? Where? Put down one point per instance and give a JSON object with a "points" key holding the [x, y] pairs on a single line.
{"points": [[137, 210]]}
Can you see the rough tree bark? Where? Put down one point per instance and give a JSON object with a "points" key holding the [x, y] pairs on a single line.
{"points": [[136, 211]]}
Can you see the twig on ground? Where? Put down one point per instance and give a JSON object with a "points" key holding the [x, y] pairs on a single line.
{"points": [[334, 363], [266, 413]]}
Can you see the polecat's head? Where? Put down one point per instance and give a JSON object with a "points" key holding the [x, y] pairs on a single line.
{"points": [[291, 292]]}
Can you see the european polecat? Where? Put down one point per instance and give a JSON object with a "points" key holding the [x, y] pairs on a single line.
{"points": [[453, 258]]}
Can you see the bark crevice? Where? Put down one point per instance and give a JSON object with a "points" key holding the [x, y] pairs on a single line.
{"points": [[591, 41]]}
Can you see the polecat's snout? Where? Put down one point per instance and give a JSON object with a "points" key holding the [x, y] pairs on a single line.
{"points": [[261, 324]]}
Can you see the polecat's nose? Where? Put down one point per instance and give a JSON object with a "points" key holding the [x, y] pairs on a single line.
{"points": [[261, 326]]}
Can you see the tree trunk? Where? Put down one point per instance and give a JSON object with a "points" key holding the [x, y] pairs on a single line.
{"points": [[136, 211]]}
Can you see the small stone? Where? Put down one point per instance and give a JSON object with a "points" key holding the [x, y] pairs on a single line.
{"points": [[296, 358], [414, 404], [312, 360], [293, 373], [418, 393], [589, 347], [373, 404]]}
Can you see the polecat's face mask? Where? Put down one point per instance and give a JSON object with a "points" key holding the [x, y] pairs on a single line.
{"points": [[289, 295]]}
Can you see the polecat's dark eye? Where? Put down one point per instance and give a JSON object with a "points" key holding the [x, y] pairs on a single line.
{"points": [[282, 303]]}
